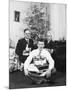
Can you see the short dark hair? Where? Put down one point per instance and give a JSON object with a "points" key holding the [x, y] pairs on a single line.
{"points": [[41, 40], [27, 29]]}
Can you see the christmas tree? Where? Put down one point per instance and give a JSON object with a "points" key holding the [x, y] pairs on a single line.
{"points": [[38, 20]]}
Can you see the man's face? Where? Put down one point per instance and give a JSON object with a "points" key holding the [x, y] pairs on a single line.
{"points": [[49, 38], [27, 34], [40, 44]]}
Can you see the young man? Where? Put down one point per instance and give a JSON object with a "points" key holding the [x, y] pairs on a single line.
{"points": [[39, 65], [24, 46]]}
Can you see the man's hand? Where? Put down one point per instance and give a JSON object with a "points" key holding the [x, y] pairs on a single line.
{"points": [[51, 51], [43, 74], [26, 71], [48, 73], [22, 66]]}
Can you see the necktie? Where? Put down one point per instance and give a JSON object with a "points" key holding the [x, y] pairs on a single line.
{"points": [[40, 53]]}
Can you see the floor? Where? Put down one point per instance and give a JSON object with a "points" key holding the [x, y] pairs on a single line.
{"points": [[18, 80]]}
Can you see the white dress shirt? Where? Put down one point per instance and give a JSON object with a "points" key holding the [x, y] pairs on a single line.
{"points": [[44, 54]]}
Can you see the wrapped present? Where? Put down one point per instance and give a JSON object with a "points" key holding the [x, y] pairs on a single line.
{"points": [[13, 65]]}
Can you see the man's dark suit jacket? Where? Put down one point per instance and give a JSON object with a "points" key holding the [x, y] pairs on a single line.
{"points": [[21, 45], [49, 45]]}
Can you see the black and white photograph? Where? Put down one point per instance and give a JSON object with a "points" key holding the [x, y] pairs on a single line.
{"points": [[37, 44]]}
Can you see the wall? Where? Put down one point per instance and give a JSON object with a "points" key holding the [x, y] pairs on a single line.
{"points": [[58, 21], [16, 28]]}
